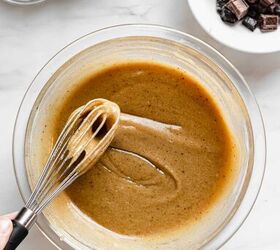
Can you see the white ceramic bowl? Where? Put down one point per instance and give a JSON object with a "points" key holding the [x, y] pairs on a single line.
{"points": [[237, 37]]}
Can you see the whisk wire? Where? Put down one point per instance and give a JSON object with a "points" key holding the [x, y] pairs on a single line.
{"points": [[67, 156], [60, 187], [56, 148]]}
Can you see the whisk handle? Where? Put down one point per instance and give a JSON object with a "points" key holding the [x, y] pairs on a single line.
{"points": [[21, 224], [17, 236]]}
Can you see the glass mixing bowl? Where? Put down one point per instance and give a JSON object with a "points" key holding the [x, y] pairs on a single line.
{"points": [[24, 2], [165, 45]]}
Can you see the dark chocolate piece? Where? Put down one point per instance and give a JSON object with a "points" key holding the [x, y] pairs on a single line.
{"points": [[220, 4], [252, 1], [250, 23], [253, 13], [259, 8], [268, 22], [238, 7], [277, 10], [227, 16], [266, 3], [271, 9]]}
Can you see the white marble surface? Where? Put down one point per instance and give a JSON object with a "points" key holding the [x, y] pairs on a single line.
{"points": [[29, 36]]}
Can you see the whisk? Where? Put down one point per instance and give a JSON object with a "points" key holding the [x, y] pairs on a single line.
{"points": [[85, 137]]}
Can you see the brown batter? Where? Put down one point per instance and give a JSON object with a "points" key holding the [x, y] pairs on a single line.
{"points": [[171, 157]]}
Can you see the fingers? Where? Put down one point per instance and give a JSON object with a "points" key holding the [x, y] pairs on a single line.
{"points": [[9, 216], [6, 227]]}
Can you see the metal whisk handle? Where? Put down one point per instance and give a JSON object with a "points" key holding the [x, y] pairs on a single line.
{"points": [[21, 224]]}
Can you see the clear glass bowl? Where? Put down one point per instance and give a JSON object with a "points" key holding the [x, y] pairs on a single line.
{"points": [[147, 42], [23, 2]]}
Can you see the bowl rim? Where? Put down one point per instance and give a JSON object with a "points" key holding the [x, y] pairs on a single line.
{"points": [[24, 3], [242, 211]]}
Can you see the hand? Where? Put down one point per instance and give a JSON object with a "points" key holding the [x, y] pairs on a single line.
{"points": [[6, 227]]}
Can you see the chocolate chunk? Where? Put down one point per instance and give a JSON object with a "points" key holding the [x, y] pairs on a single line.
{"points": [[227, 16], [250, 23], [253, 13], [267, 3], [277, 10], [268, 22], [238, 7], [271, 9], [220, 4], [252, 1], [259, 8]]}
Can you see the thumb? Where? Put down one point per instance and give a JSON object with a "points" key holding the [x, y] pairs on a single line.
{"points": [[6, 227]]}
